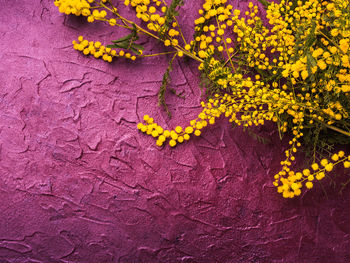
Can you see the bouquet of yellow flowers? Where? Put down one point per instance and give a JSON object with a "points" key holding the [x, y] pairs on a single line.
{"points": [[293, 70]]}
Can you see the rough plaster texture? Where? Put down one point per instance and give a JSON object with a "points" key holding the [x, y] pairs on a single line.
{"points": [[80, 184]]}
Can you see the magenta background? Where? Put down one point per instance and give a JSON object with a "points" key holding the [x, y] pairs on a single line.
{"points": [[80, 184]]}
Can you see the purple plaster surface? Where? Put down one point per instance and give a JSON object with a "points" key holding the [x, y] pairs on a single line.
{"points": [[79, 183]]}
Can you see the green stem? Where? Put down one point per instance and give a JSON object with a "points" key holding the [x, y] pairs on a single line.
{"points": [[157, 54], [337, 129]]}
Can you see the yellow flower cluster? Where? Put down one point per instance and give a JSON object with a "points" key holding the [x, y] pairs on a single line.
{"points": [[178, 135], [322, 56], [83, 7], [292, 184], [245, 106], [98, 50], [252, 102], [75, 7], [148, 12], [211, 26], [295, 71], [98, 15]]}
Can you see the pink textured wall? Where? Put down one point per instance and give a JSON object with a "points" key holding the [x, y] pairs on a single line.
{"points": [[80, 184]]}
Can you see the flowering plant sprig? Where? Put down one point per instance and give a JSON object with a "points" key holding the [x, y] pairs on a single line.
{"points": [[294, 71]]}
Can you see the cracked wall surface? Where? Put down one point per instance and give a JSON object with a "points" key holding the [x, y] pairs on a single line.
{"points": [[79, 183]]}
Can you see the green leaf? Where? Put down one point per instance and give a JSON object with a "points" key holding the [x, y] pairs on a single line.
{"points": [[311, 36], [134, 32], [136, 51], [264, 3], [310, 59], [137, 46], [163, 87], [121, 45], [112, 46], [169, 16], [310, 63], [123, 39]]}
